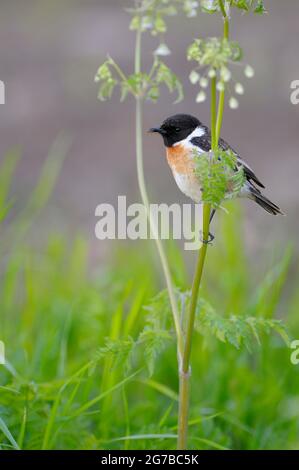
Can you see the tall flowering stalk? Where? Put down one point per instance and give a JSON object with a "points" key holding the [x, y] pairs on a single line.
{"points": [[148, 16], [214, 56], [214, 59]]}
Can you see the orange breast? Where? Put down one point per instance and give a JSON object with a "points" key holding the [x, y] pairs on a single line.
{"points": [[179, 160]]}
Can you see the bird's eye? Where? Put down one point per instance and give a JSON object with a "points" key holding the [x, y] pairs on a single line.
{"points": [[177, 129]]}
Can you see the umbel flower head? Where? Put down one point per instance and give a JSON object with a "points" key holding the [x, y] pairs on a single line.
{"points": [[215, 58], [247, 6]]}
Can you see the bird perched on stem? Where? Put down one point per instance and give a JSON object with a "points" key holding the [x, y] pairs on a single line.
{"points": [[186, 139]]}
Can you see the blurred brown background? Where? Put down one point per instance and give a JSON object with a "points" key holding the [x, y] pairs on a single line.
{"points": [[49, 53]]}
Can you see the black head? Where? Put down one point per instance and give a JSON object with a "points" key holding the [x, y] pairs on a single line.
{"points": [[176, 128]]}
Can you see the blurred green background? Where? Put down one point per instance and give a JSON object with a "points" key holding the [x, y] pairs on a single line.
{"points": [[71, 307]]}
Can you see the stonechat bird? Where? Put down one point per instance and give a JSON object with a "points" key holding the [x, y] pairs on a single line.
{"points": [[185, 137]]}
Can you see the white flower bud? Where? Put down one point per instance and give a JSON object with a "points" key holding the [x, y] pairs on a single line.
{"points": [[212, 73], [162, 50], [220, 86], [239, 89], [146, 24], [249, 71], [201, 97], [225, 74], [194, 77], [233, 103], [204, 82]]}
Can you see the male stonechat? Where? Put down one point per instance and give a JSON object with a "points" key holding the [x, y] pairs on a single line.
{"points": [[185, 137]]}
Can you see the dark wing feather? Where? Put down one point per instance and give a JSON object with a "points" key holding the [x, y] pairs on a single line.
{"points": [[204, 143], [249, 174]]}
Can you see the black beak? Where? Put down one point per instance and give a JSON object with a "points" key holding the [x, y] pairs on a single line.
{"points": [[158, 130]]}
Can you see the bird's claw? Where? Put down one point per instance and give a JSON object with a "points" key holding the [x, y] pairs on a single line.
{"points": [[210, 239]]}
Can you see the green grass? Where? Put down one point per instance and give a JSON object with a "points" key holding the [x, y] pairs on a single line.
{"points": [[91, 360]]}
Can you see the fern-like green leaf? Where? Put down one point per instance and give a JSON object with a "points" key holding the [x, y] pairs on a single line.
{"points": [[157, 332], [219, 176], [236, 330]]}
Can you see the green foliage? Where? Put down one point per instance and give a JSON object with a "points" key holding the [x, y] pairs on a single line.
{"points": [[236, 330], [119, 349], [269, 290], [214, 52], [257, 6], [156, 333], [6, 174], [164, 75], [214, 58], [104, 76], [150, 15], [220, 176], [213, 6], [80, 343], [142, 85], [72, 333], [126, 352]]}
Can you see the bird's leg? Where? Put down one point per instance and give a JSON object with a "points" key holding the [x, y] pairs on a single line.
{"points": [[211, 237], [212, 214]]}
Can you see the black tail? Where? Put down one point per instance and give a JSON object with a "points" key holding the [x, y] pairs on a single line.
{"points": [[265, 203]]}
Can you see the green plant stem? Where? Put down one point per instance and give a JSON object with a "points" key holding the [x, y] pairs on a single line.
{"points": [[195, 287], [225, 19], [220, 114], [145, 201], [226, 28], [222, 93], [222, 8], [184, 395], [138, 51], [213, 113]]}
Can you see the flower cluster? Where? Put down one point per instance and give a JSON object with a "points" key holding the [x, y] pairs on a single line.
{"points": [[147, 16], [151, 15], [213, 57], [213, 6]]}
